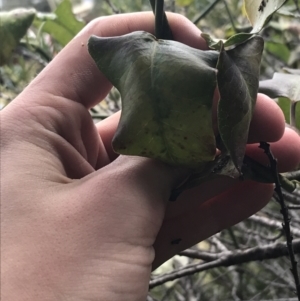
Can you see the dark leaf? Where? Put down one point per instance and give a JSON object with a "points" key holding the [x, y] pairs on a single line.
{"points": [[167, 90], [238, 72]]}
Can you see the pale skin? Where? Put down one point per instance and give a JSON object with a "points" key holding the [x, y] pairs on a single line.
{"points": [[81, 223]]}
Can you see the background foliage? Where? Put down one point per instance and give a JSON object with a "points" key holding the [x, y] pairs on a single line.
{"points": [[262, 270]]}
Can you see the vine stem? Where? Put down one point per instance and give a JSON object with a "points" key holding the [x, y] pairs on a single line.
{"points": [[162, 28], [205, 12], [159, 19], [284, 211]]}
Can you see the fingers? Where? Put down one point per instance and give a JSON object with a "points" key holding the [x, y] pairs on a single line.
{"points": [[268, 121], [286, 150], [210, 217], [106, 129], [74, 75]]}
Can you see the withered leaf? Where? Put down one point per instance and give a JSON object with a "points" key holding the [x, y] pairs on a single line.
{"points": [[238, 79], [167, 90]]}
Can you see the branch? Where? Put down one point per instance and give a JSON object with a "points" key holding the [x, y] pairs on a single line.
{"points": [[205, 256], [295, 207], [162, 28], [205, 12], [284, 211], [272, 223], [292, 175], [113, 7], [293, 198], [225, 259], [230, 16]]}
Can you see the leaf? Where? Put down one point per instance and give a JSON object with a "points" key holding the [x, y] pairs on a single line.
{"points": [[291, 71], [285, 106], [234, 40], [288, 13], [260, 11], [167, 90], [65, 26], [184, 2], [282, 85], [255, 171], [212, 43], [238, 72], [43, 17], [295, 56], [14, 25], [237, 39], [279, 50]]}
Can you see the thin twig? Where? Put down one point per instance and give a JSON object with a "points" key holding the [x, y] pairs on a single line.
{"points": [[113, 7], [205, 256], [207, 10], [292, 175], [291, 207], [230, 16], [98, 116], [230, 258], [297, 6], [272, 223], [293, 198], [284, 211]]}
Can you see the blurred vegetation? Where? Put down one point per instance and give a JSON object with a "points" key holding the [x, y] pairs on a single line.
{"points": [[50, 31]]}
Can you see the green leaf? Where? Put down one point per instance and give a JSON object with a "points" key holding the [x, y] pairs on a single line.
{"points": [[14, 25], [184, 2], [295, 56], [167, 90], [282, 85], [260, 11], [279, 50], [65, 26], [234, 40], [212, 43], [41, 18], [285, 105], [238, 72]]}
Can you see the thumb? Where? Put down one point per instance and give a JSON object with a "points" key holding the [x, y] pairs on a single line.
{"points": [[154, 177]]}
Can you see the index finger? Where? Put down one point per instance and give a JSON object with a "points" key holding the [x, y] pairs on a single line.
{"points": [[74, 75]]}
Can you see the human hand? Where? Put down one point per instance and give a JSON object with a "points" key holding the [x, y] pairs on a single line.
{"points": [[78, 223]]}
